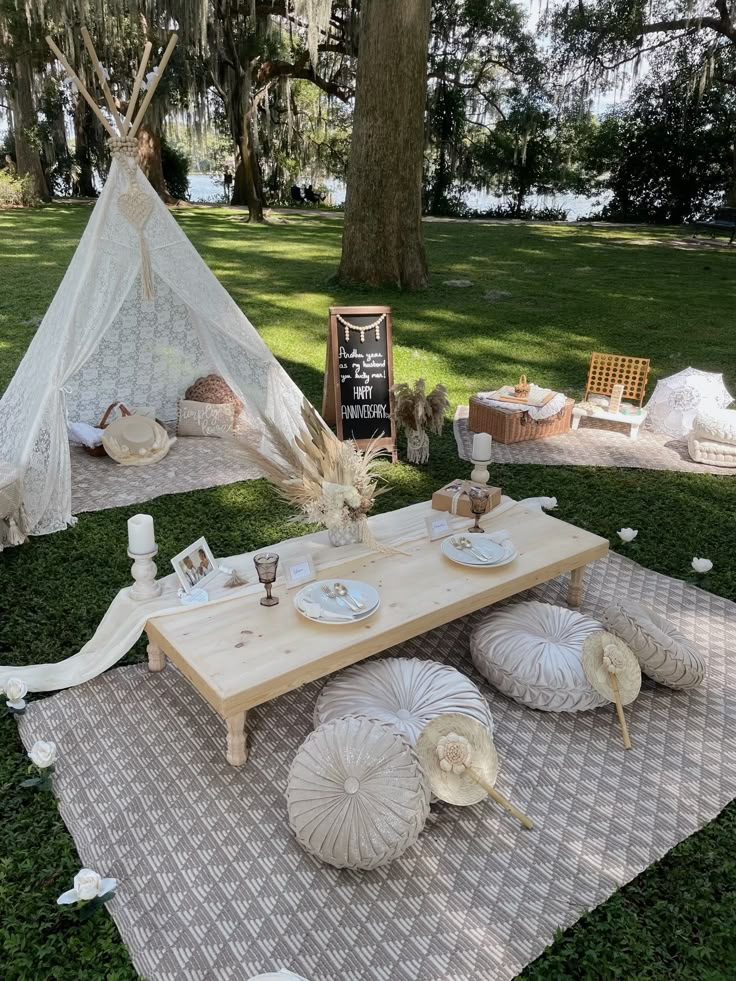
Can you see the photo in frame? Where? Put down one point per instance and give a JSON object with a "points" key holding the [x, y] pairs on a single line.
{"points": [[195, 566]]}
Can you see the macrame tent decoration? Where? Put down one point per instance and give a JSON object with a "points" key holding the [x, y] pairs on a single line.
{"points": [[137, 319], [613, 670], [459, 758]]}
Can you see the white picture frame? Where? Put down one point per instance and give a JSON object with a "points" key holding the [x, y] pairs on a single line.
{"points": [[195, 566], [298, 571], [438, 525]]}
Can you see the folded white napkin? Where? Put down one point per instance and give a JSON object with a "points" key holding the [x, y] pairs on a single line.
{"points": [[82, 434], [317, 612]]}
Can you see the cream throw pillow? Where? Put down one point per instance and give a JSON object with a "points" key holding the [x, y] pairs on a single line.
{"points": [[665, 655], [205, 419]]}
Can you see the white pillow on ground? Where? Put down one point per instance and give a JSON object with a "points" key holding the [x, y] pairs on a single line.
{"points": [[533, 652], [665, 655], [716, 424]]}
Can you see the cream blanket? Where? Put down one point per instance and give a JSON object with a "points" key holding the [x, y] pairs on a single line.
{"points": [[126, 618]]}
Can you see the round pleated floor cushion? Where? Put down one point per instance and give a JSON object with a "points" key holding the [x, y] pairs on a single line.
{"points": [[533, 652], [664, 654], [405, 692], [357, 795]]}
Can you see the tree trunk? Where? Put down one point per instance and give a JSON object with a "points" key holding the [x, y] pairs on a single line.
{"points": [[731, 193], [382, 237], [83, 184], [149, 159], [247, 187], [27, 156]]}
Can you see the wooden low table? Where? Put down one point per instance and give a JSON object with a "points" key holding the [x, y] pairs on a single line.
{"points": [[239, 654]]}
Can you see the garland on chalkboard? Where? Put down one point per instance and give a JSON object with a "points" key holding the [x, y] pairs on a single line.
{"points": [[376, 325]]}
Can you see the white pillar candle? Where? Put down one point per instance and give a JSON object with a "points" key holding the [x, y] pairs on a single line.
{"points": [[141, 538], [482, 446]]}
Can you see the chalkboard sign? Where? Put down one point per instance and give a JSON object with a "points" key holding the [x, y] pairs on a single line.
{"points": [[359, 375]]}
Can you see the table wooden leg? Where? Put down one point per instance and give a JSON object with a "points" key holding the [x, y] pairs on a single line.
{"points": [[575, 590], [156, 658], [237, 745]]}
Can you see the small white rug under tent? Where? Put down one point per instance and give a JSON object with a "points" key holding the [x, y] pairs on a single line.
{"points": [[213, 884], [192, 463], [137, 318]]}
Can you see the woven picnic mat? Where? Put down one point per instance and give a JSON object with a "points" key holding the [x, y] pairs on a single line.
{"points": [[596, 443], [213, 885], [192, 463]]}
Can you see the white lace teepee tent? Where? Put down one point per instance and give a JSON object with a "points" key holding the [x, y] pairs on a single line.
{"points": [[137, 317]]}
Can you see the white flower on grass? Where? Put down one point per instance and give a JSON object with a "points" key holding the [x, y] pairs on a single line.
{"points": [[627, 534], [15, 693], [43, 754], [702, 565], [454, 753], [88, 884]]}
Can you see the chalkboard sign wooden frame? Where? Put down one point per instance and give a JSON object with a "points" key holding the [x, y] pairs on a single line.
{"points": [[332, 400]]}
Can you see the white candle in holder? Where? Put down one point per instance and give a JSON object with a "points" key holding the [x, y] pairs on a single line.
{"points": [[141, 537], [482, 446]]}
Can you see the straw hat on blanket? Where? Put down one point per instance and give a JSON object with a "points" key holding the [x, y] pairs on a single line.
{"points": [[135, 441]]}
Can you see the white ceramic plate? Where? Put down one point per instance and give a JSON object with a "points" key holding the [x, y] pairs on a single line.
{"points": [[312, 592], [499, 554]]}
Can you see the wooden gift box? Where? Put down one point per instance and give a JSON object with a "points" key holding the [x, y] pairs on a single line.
{"points": [[442, 498], [513, 427]]}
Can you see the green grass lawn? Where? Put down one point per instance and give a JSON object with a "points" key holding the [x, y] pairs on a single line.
{"points": [[573, 290]]}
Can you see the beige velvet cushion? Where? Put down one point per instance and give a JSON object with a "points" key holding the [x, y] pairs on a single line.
{"points": [[205, 419], [665, 655], [533, 652]]}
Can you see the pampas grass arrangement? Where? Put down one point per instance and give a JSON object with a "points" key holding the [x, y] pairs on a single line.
{"points": [[332, 483], [419, 414]]}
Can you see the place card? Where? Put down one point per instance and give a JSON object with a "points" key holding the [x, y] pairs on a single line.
{"points": [[438, 526], [299, 570]]}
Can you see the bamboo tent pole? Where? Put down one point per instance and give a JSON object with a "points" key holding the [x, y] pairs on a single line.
{"points": [[78, 82], [154, 84], [137, 86], [103, 81]]}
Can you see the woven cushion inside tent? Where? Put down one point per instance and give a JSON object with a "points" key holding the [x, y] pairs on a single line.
{"points": [[405, 692], [533, 652], [213, 388], [665, 655]]}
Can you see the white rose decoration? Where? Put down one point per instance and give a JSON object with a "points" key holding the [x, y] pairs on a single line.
{"points": [[15, 693], [702, 565], [627, 534], [454, 753], [43, 754], [88, 884]]}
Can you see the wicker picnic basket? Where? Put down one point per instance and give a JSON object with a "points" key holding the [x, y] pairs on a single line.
{"points": [[124, 411], [513, 427]]}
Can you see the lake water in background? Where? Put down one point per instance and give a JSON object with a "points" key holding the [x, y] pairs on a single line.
{"points": [[208, 189]]}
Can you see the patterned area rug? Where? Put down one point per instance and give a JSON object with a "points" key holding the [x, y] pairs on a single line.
{"points": [[192, 463], [212, 883], [594, 444]]}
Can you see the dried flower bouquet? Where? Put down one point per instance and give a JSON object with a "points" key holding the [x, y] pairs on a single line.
{"points": [[419, 414], [332, 483]]}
